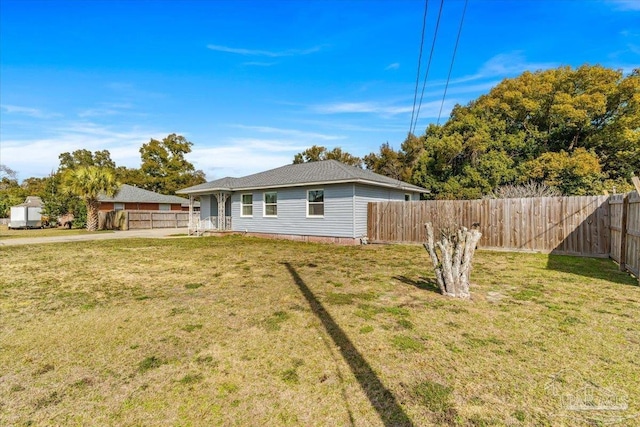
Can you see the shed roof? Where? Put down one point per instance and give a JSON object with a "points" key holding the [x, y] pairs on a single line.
{"points": [[32, 202], [312, 173], [131, 194]]}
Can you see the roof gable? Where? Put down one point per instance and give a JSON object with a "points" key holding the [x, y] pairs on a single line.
{"points": [[312, 173]]}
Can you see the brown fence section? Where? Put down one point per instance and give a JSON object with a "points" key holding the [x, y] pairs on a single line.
{"points": [[625, 231], [136, 220], [565, 225], [597, 226]]}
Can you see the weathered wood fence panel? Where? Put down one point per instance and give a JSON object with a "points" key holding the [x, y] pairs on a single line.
{"points": [[625, 231], [565, 225], [137, 220], [157, 219]]}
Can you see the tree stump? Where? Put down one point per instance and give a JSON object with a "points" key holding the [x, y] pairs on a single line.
{"points": [[452, 256]]}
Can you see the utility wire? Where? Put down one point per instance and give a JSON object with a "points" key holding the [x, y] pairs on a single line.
{"points": [[455, 49], [426, 74], [415, 92]]}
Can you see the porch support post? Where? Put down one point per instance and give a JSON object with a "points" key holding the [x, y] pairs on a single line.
{"points": [[222, 201]]}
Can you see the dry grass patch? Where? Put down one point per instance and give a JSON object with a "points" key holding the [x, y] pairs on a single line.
{"points": [[5, 233], [242, 331]]}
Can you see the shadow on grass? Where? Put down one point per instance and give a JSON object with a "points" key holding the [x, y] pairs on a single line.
{"points": [[382, 400], [595, 268], [424, 283]]}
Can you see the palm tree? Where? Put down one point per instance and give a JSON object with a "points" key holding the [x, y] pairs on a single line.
{"points": [[88, 183]]}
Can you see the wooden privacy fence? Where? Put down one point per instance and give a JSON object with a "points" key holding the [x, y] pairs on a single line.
{"points": [[136, 220], [568, 225], [597, 226], [625, 231]]}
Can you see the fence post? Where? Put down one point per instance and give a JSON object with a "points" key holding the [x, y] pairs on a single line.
{"points": [[623, 233]]}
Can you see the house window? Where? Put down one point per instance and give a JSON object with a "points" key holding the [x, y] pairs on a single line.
{"points": [[407, 197], [315, 203], [247, 205], [271, 204], [118, 206], [164, 207]]}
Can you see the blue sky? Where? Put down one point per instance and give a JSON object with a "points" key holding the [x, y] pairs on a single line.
{"points": [[251, 83]]}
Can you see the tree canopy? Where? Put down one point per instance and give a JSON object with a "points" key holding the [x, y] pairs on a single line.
{"points": [[317, 153], [574, 129], [164, 166], [88, 183]]}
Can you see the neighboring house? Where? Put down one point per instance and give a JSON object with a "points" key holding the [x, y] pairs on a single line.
{"points": [[27, 214], [132, 198], [315, 201]]}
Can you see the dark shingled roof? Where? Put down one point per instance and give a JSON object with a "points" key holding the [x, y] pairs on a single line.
{"points": [[312, 173], [131, 194]]}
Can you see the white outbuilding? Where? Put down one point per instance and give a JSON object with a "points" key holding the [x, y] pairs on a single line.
{"points": [[27, 214]]}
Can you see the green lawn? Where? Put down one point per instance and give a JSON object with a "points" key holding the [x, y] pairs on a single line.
{"points": [[5, 233], [244, 331]]}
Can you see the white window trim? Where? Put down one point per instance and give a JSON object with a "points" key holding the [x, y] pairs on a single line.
{"points": [[323, 203], [264, 204], [242, 205]]}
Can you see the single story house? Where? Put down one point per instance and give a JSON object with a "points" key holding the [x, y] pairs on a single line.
{"points": [[315, 201], [132, 198], [27, 214]]}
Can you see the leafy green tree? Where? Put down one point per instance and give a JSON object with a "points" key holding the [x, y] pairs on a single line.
{"points": [[11, 193], [317, 153], [83, 157], [578, 173], [57, 202], [165, 167], [88, 183], [576, 129], [387, 162]]}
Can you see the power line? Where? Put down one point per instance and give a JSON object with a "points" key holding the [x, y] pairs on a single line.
{"points": [[426, 75], [415, 92], [455, 49]]}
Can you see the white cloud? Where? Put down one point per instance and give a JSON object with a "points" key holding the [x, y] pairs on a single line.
{"points": [[509, 64], [393, 66], [27, 111], [360, 107], [633, 5], [242, 157], [39, 156], [267, 53], [106, 109]]}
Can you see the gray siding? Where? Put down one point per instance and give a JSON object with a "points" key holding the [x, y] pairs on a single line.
{"points": [[366, 194], [292, 212], [208, 206]]}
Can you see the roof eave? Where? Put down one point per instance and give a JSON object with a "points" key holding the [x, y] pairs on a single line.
{"points": [[200, 192], [406, 187]]}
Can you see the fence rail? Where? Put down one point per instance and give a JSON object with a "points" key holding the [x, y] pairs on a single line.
{"points": [[585, 226]]}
